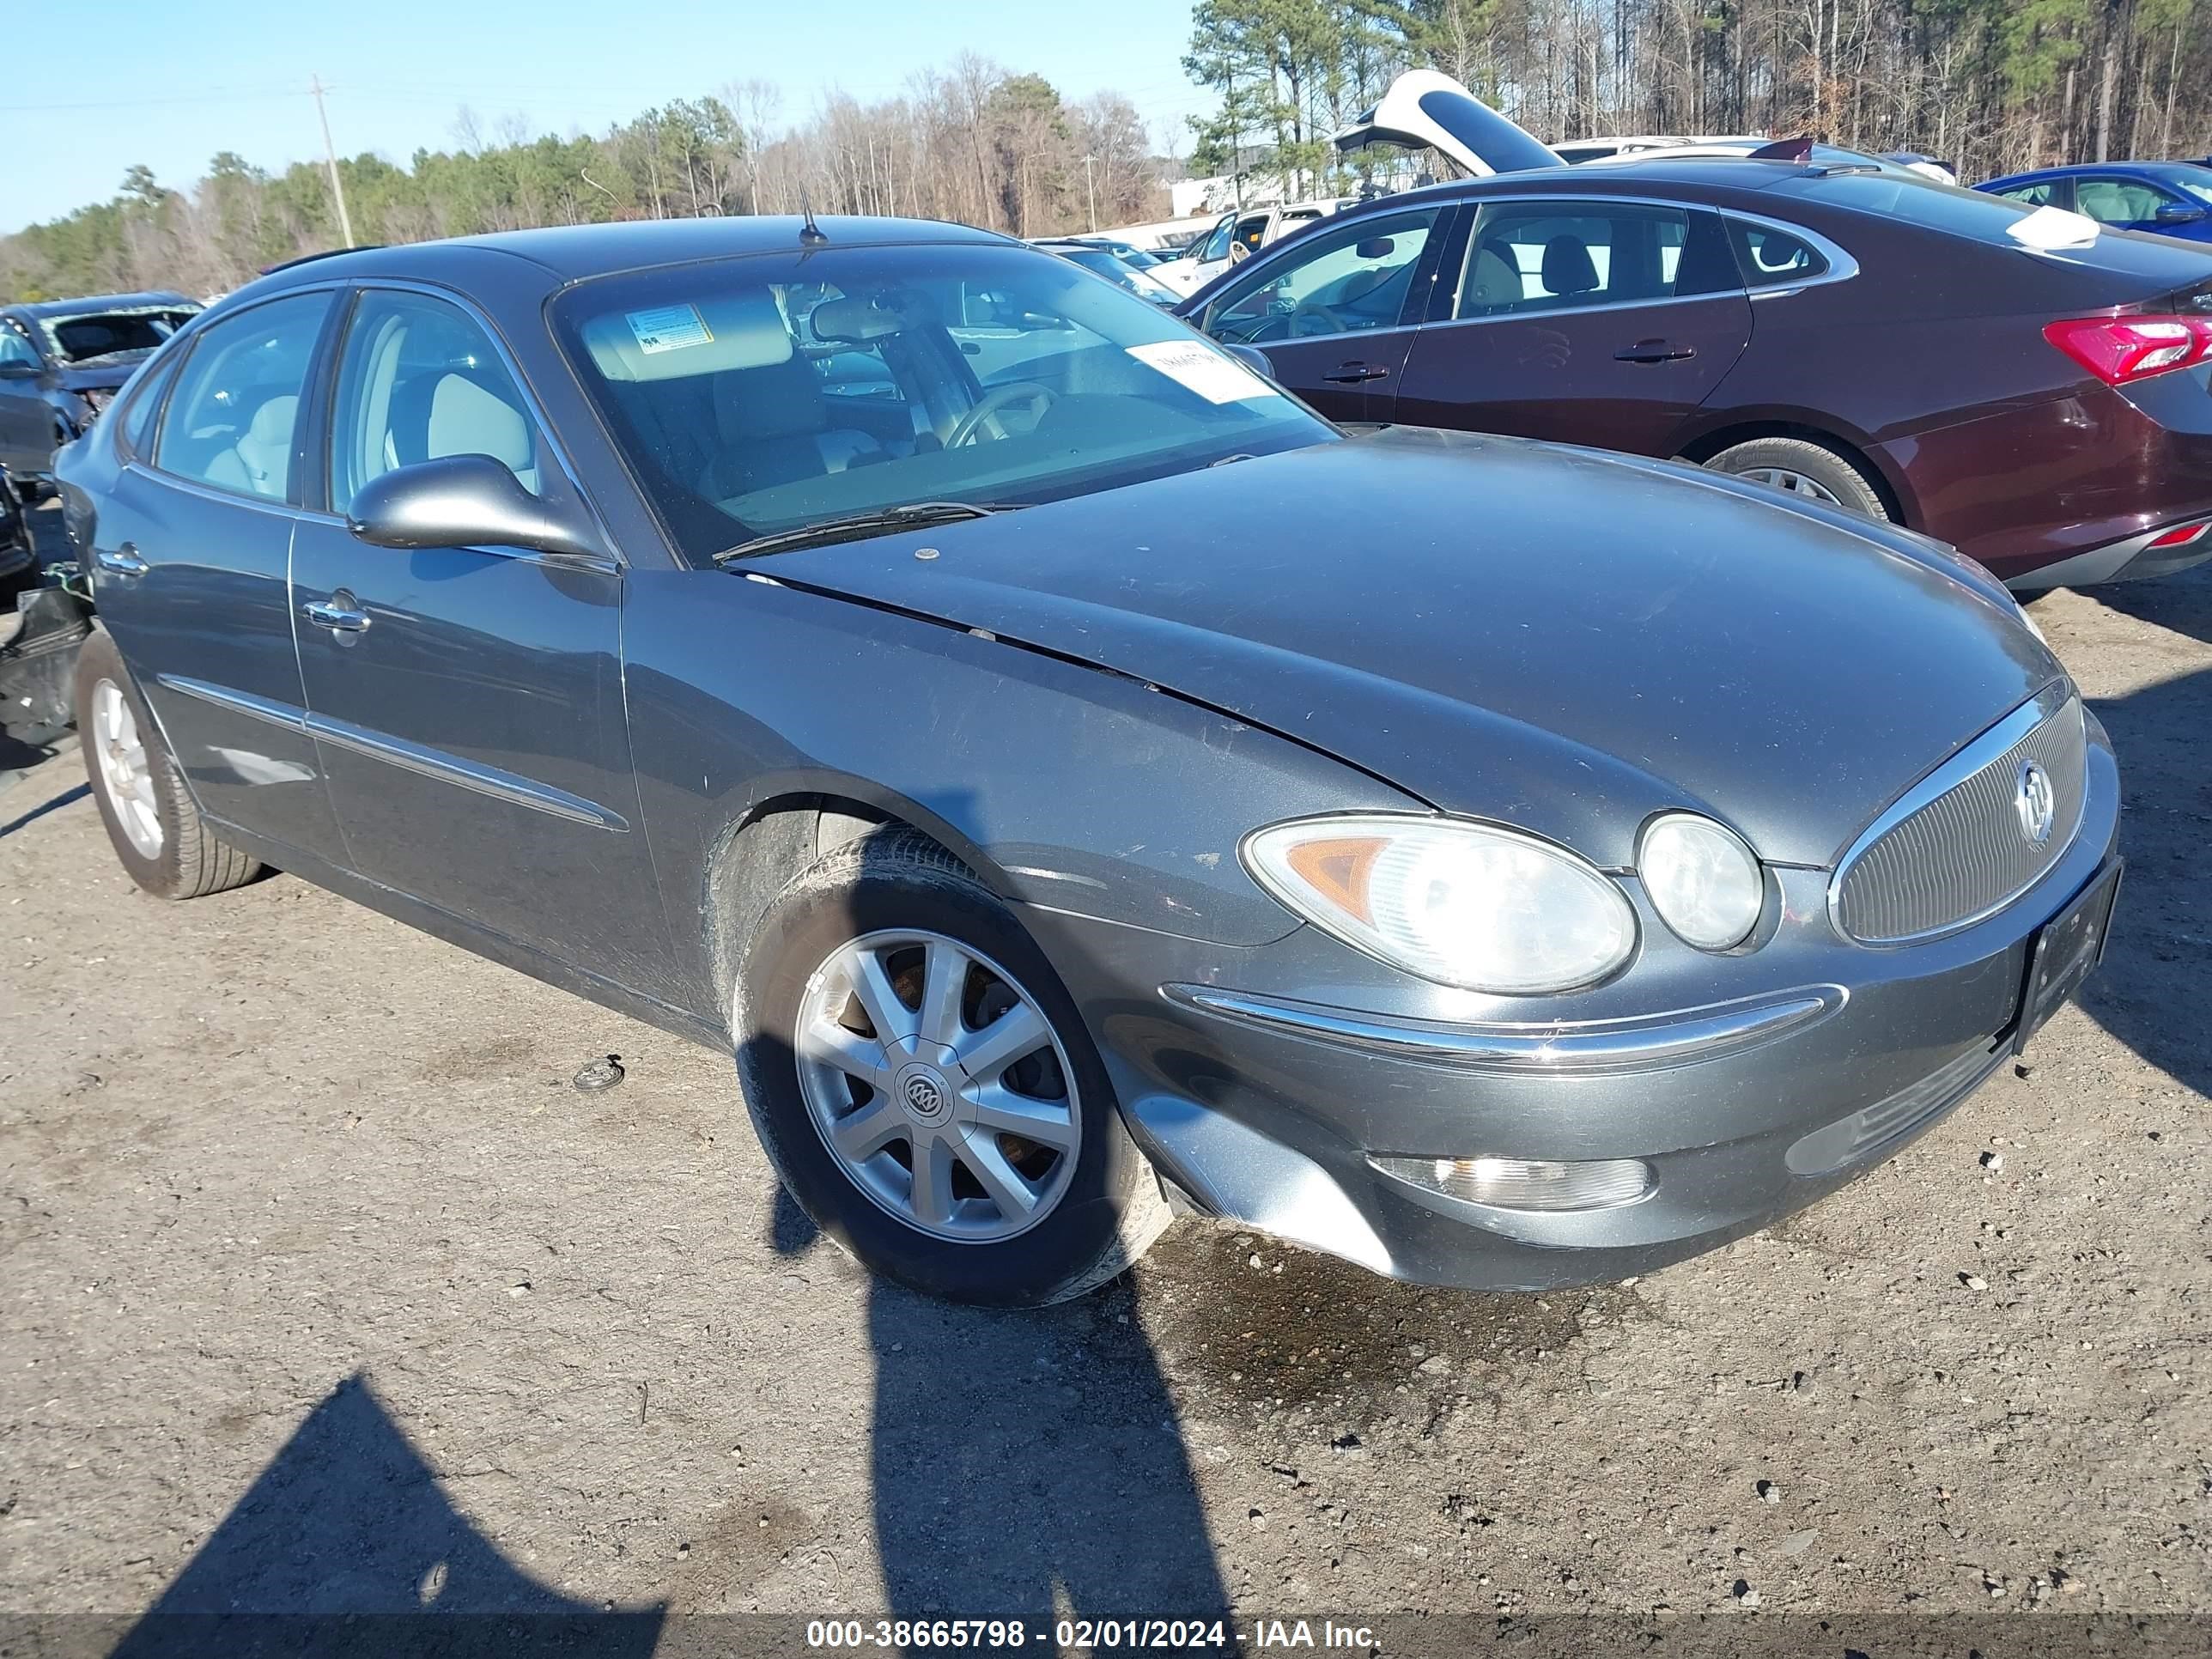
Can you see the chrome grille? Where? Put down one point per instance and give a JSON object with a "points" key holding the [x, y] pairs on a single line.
{"points": [[1954, 849]]}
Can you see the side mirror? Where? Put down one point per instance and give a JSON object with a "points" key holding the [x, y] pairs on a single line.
{"points": [[2174, 213], [1253, 359], [462, 501], [15, 369]]}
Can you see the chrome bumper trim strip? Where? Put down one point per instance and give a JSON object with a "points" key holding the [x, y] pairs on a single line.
{"points": [[1683, 1037]]}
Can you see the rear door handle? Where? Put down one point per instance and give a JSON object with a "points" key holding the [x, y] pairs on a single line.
{"points": [[121, 562], [1354, 373], [1653, 351], [341, 613]]}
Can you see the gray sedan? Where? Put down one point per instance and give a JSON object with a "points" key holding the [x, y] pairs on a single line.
{"points": [[1082, 784]]}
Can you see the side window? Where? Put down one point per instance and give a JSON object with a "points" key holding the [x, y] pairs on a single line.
{"points": [[2119, 201], [2043, 194], [1773, 259], [14, 349], [1216, 245], [145, 399], [418, 381], [236, 407], [1250, 235], [1555, 256], [1344, 280]]}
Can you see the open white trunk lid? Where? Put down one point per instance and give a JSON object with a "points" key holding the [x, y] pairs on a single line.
{"points": [[1426, 109]]}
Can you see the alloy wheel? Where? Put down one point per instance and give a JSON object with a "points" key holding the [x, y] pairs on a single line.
{"points": [[1792, 483], [124, 769], [938, 1085]]}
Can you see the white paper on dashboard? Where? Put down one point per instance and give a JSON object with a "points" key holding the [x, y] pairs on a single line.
{"points": [[1200, 369]]}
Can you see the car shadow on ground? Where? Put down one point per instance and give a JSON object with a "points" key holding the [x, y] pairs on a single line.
{"points": [[1049, 1482], [345, 1545], [2160, 734]]}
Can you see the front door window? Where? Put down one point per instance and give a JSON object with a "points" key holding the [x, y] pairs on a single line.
{"points": [[1347, 280]]}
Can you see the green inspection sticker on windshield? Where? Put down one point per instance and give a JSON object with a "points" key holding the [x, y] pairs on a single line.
{"points": [[668, 328]]}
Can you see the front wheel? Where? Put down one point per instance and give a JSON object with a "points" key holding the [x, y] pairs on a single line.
{"points": [[151, 819], [1809, 471], [925, 1088]]}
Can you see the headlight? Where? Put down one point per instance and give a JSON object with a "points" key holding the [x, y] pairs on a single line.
{"points": [[1470, 905], [1703, 882]]}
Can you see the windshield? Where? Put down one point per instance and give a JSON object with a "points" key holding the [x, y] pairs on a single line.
{"points": [[1915, 198], [94, 335], [2197, 181], [757, 395]]}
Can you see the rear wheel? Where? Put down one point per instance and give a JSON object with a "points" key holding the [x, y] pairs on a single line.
{"points": [[1808, 470], [156, 829], [927, 1089]]}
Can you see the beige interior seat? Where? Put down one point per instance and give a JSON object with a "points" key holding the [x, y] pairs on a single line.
{"points": [[260, 462], [467, 420]]}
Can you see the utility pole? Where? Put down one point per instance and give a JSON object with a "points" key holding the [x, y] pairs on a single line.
{"points": [[1091, 191], [331, 157]]}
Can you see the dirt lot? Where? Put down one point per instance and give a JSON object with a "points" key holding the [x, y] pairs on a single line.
{"points": [[322, 1291]]}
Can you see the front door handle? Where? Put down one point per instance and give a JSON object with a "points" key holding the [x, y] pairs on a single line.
{"points": [[121, 562], [341, 613], [1354, 373], [1653, 351]]}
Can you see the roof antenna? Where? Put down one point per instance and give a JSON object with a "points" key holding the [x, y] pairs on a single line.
{"points": [[810, 233]]}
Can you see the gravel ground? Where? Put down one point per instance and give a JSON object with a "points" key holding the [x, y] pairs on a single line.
{"points": [[322, 1291]]}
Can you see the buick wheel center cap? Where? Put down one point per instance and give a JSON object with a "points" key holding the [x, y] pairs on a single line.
{"points": [[927, 1091], [2036, 802]]}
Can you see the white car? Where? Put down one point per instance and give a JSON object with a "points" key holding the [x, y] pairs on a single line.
{"points": [[1239, 235]]}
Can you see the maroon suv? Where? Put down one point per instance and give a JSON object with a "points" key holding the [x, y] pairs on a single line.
{"points": [[2038, 394]]}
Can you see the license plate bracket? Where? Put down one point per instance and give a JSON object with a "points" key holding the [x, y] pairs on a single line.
{"points": [[2065, 951]]}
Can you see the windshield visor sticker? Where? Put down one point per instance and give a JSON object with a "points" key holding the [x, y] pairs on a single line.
{"points": [[1200, 369], [668, 328]]}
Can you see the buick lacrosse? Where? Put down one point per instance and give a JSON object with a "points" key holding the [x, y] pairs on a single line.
{"points": [[1082, 784]]}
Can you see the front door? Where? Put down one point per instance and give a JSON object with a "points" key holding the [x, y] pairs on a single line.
{"points": [[1589, 321], [189, 568], [1335, 311], [467, 701]]}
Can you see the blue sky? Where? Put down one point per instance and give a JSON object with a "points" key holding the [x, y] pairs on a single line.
{"points": [[180, 80]]}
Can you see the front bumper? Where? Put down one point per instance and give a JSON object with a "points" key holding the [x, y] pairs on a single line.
{"points": [[1264, 1083]]}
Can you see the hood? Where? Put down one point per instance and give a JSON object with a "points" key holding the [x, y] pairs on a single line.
{"points": [[1557, 638], [1426, 109], [106, 375]]}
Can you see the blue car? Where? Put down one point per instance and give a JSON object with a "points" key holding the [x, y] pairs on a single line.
{"points": [[2173, 198]]}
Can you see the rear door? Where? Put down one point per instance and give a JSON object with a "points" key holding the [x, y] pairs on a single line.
{"points": [[1335, 312], [467, 701], [1590, 321], [190, 568]]}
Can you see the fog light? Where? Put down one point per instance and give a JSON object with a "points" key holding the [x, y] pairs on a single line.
{"points": [[1523, 1183]]}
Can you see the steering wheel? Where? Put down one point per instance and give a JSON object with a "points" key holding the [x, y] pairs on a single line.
{"points": [[1330, 322], [1040, 398]]}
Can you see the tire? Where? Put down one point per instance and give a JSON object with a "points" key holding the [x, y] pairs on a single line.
{"points": [[1098, 1205], [156, 830], [1805, 470]]}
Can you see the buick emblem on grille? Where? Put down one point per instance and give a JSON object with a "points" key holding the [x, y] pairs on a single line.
{"points": [[2036, 802]]}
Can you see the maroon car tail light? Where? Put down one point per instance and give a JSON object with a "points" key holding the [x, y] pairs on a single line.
{"points": [[2119, 350], [2181, 535]]}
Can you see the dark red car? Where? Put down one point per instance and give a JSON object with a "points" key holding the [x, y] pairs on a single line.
{"points": [[2035, 390]]}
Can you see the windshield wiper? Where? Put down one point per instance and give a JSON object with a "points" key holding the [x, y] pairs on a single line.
{"points": [[913, 515]]}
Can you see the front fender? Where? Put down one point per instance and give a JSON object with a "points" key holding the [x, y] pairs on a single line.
{"points": [[1062, 786]]}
